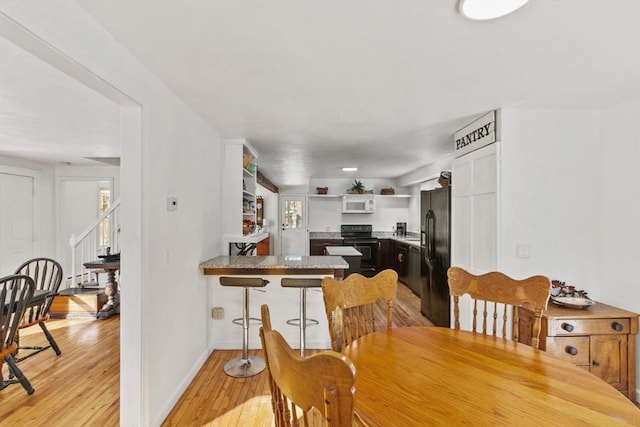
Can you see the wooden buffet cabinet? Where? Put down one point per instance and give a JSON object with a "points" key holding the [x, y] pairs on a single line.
{"points": [[600, 339]]}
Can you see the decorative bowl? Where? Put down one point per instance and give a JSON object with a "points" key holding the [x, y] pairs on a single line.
{"points": [[573, 302], [110, 257]]}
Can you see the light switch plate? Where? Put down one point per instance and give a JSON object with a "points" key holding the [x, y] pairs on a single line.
{"points": [[523, 251]]}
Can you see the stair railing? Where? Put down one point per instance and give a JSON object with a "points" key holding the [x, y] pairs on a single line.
{"points": [[103, 233]]}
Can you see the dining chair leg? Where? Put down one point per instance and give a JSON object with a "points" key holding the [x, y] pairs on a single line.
{"points": [[52, 342], [33, 350], [20, 377]]}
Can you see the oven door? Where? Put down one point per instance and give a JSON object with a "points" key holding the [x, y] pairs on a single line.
{"points": [[368, 249]]}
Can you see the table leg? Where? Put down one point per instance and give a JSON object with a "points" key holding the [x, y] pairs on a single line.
{"points": [[113, 300]]}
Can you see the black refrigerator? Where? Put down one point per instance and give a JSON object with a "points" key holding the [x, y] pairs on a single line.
{"points": [[435, 240]]}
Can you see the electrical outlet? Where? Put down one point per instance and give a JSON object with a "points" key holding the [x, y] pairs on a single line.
{"points": [[217, 313]]}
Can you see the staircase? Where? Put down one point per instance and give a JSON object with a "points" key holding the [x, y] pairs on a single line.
{"points": [[83, 295], [103, 233]]}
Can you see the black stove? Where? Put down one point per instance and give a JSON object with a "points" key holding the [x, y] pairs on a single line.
{"points": [[360, 237]]}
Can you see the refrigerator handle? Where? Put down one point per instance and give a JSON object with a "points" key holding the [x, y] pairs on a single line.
{"points": [[428, 244]]}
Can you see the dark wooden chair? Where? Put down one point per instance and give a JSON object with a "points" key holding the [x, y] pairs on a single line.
{"points": [[324, 381], [15, 293], [350, 304], [497, 294], [47, 276]]}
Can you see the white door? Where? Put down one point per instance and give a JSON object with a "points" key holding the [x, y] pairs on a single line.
{"points": [[474, 221], [293, 225], [16, 221]]}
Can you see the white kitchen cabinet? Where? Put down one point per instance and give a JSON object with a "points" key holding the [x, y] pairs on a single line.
{"points": [[239, 186]]}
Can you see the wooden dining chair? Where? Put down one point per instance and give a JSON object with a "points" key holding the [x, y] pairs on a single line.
{"points": [[495, 294], [324, 381], [15, 293], [351, 305], [47, 276]]}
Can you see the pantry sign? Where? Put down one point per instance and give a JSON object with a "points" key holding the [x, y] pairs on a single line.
{"points": [[476, 135]]}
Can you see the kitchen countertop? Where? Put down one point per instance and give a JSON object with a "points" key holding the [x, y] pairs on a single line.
{"points": [[275, 264], [325, 235], [410, 239], [342, 251], [224, 335]]}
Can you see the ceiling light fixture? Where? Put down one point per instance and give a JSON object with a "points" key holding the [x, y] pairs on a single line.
{"points": [[482, 10], [349, 169]]}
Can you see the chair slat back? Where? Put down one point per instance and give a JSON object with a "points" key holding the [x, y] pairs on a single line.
{"points": [[15, 293], [47, 276], [279, 403], [494, 294], [357, 297], [324, 381]]}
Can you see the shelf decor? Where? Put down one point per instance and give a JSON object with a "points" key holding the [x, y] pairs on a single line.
{"points": [[357, 187]]}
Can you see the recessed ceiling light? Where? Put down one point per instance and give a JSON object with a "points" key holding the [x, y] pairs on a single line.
{"points": [[489, 9], [349, 169]]}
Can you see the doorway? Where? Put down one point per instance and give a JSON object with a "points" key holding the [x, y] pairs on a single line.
{"points": [[293, 225], [80, 202], [132, 392]]}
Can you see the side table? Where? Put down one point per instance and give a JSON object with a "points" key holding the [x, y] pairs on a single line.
{"points": [[600, 339]]}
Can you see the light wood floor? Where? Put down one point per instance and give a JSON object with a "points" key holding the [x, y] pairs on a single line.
{"points": [[78, 388], [81, 386]]}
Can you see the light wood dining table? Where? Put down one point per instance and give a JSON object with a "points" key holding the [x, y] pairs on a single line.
{"points": [[429, 376]]}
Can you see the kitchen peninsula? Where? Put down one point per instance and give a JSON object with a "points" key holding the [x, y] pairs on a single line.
{"points": [[283, 302], [275, 265]]}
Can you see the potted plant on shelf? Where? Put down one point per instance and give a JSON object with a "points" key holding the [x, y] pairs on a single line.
{"points": [[357, 187]]}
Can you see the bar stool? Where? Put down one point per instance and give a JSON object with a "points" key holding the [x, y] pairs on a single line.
{"points": [[245, 366], [302, 322]]}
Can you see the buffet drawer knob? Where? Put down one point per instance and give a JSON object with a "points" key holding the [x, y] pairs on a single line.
{"points": [[571, 350], [567, 327], [617, 326]]}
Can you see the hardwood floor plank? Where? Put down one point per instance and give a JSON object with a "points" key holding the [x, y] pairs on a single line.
{"points": [[81, 386]]}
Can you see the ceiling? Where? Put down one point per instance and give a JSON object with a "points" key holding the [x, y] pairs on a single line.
{"points": [[317, 85], [47, 116]]}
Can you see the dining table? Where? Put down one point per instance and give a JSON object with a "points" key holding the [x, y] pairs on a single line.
{"points": [[419, 376]]}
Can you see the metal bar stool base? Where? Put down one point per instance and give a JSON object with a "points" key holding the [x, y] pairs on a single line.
{"points": [[244, 368], [296, 322]]}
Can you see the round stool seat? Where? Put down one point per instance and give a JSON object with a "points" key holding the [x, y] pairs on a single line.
{"points": [[245, 366], [244, 282], [300, 283]]}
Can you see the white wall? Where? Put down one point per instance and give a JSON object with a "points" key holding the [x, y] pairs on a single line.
{"points": [[571, 189], [619, 207], [164, 332], [325, 214], [549, 186]]}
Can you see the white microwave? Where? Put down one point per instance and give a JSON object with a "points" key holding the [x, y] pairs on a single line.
{"points": [[365, 203]]}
